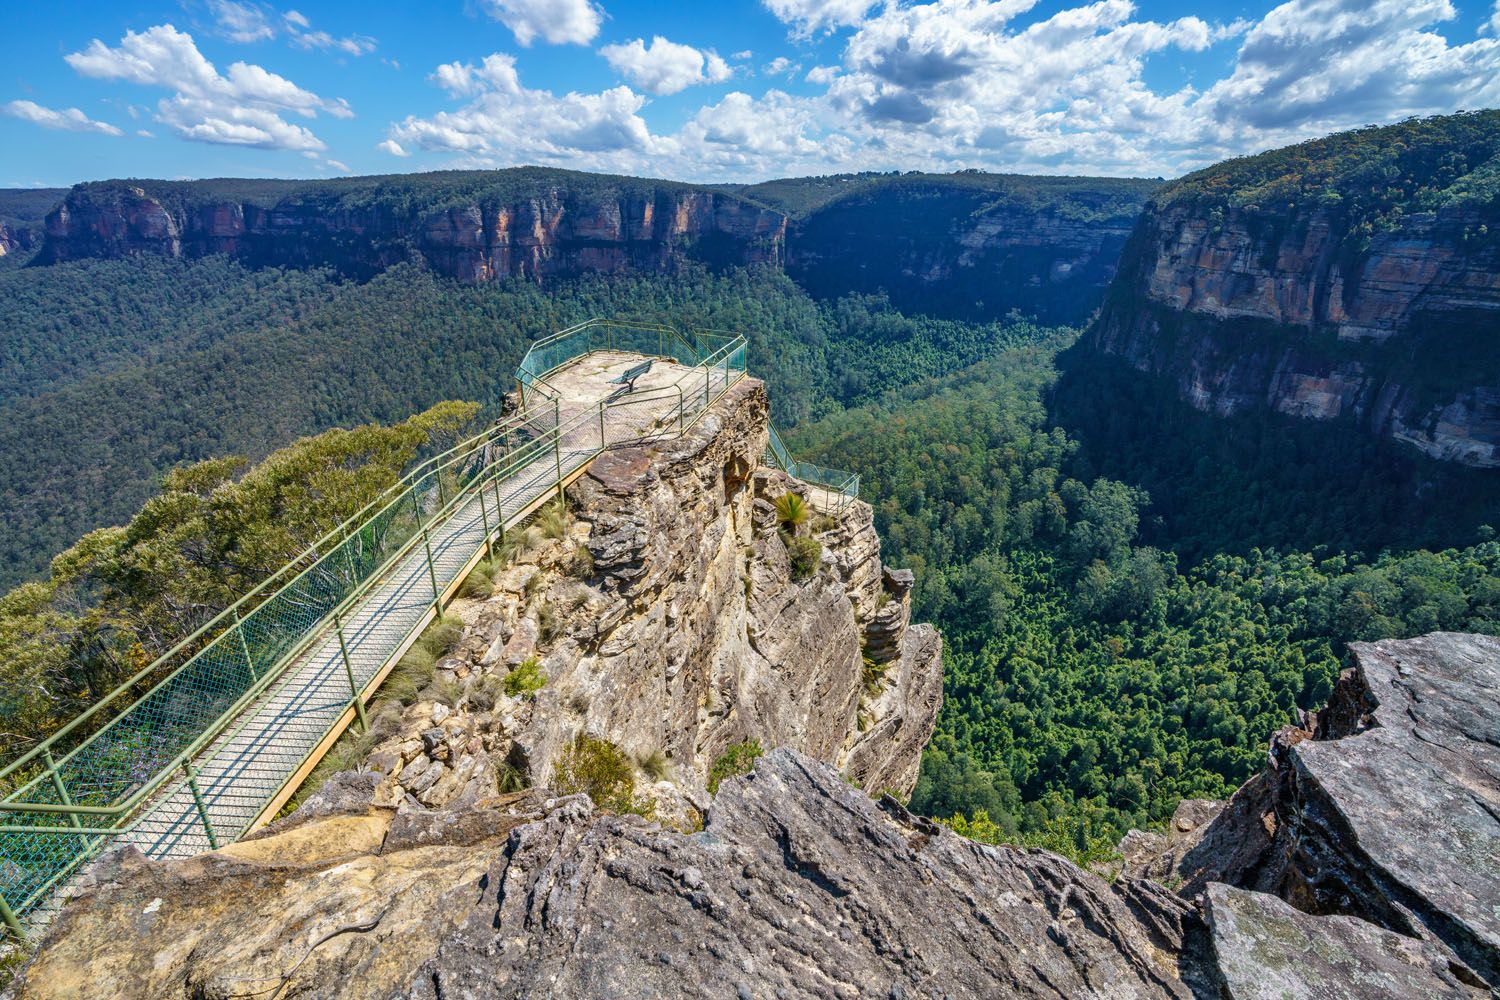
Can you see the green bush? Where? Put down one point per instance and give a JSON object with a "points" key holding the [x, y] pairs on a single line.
{"points": [[552, 521], [805, 554], [526, 679], [738, 759], [441, 636], [601, 770], [477, 584]]}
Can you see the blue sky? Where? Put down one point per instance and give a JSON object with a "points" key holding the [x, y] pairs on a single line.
{"points": [[741, 90]]}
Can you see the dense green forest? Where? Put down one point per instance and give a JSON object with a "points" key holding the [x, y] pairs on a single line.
{"points": [[117, 371], [391, 194], [968, 245], [28, 206], [1374, 174], [1092, 680], [1260, 480]]}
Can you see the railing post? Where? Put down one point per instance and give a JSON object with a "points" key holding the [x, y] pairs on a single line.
{"points": [[437, 600], [239, 627], [359, 705], [484, 515], [208, 828], [9, 916], [62, 791], [442, 499], [416, 507]]}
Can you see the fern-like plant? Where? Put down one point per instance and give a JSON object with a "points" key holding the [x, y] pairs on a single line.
{"points": [[792, 511]]}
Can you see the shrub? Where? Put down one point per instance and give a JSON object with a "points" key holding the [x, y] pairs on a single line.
{"points": [[791, 511], [738, 759], [441, 636], [601, 770], [526, 679], [483, 691], [872, 673], [410, 675], [582, 565], [805, 554], [548, 622]]}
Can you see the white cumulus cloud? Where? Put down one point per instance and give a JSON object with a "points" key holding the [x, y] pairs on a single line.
{"points": [[808, 16], [243, 107], [67, 119], [506, 122], [1012, 85], [557, 22], [666, 67]]}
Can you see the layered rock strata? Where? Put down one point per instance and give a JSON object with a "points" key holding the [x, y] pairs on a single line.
{"points": [[555, 231], [1248, 310], [1385, 807], [798, 886]]}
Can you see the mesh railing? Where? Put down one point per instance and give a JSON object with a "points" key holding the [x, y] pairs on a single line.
{"points": [[112, 771], [93, 779], [835, 488]]}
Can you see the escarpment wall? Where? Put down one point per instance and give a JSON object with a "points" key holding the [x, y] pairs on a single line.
{"points": [[555, 231], [1247, 309]]}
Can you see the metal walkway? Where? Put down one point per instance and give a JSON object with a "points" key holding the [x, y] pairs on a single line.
{"points": [[257, 697]]}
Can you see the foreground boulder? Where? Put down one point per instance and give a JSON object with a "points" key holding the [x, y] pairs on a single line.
{"points": [[799, 886], [1266, 950], [1385, 807]]}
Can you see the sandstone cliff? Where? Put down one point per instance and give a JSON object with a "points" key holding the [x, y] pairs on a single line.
{"points": [[473, 227], [667, 620], [1304, 306], [941, 246]]}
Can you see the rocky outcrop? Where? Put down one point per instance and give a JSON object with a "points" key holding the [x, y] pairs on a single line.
{"points": [[527, 223], [798, 886], [1385, 807], [16, 238], [665, 618], [1265, 949], [948, 249], [1248, 309]]}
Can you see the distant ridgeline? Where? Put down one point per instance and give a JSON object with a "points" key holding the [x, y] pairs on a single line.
{"points": [[1354, 278], [968, 245]]}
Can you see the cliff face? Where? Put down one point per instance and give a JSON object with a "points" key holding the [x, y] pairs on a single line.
{"points": [[15, 238], [966, 253], [667, 620], [1248, 309], [553, 231]]}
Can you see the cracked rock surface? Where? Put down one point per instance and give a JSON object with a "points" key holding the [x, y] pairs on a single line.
{"points": [[799, 886]]}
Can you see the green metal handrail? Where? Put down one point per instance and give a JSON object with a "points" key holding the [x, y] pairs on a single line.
{"points": [[842, 486], [30, 801]]}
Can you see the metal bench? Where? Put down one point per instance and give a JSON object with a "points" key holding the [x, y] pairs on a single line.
{"points": [[630, 375]]}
